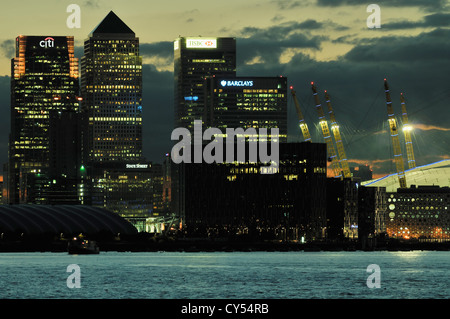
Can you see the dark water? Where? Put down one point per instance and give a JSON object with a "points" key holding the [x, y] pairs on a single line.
{"points": [[168, 275]]}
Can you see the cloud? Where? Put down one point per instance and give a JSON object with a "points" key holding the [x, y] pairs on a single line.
{"points": [[270, 43], [430, 46], [432, 20], [290, 4], [426, 4], [158, 54], [94, 4], [158, 112], [8, 48], [425, 127]]}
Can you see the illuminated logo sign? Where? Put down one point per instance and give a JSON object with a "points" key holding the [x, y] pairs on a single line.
{"points": [[191, 98], [225, 83], [47, 43], [201, 43], [137, 166]]}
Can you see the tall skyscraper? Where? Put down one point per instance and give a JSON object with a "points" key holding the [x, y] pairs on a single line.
{"points": [[194, 59], [247, 102], [111, 86], [45, 102]]}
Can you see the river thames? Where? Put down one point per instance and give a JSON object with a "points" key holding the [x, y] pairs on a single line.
{"points": [[226, 275]]}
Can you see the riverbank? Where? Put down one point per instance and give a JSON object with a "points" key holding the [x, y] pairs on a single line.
{"points": [[201, 245]]}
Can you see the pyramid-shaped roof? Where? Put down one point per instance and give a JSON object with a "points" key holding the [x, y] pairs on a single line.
{"points": [[112, 24]]}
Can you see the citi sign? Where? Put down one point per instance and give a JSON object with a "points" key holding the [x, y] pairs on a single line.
{"points": [[225, 83], [47, 43], [201, 43]]}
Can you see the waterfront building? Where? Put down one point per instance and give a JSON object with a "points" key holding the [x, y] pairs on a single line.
{"points": [[133, 191], [371, 215], [342, 208], [420, 212], [44, 143], [224, 199], [246, 102], [194, 59], [111, 86]]}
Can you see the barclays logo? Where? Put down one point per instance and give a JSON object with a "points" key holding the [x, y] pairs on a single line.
{"points": [[225, 83]]}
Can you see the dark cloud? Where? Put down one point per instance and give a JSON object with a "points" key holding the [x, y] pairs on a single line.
{"points": [[158, 112], [432, 20], [163, 49], [8, 48], [270, 43], [427, 4], [288, 4], [93, 4], [427, 46]]}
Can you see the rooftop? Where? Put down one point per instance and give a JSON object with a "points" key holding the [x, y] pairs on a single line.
{"points": [[434, 174], [112, 24]]}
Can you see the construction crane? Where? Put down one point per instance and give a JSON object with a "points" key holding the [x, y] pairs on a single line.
{"points": [[398, 158], [338, 138], [301, 120], [407, 132], [326, 135]]}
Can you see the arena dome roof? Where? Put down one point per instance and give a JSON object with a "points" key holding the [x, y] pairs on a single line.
{"points": [[56, 219], [437, 174]]}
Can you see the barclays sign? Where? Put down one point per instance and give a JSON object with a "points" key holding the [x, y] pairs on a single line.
{"points": [[225, 83]]}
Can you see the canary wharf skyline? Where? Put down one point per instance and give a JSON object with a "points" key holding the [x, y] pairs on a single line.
{"points": [[327, 42]]}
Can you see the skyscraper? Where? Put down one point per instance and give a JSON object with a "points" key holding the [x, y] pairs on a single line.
{"points": [[194, 59], [45, 101], [111, 86], [246, 102]]}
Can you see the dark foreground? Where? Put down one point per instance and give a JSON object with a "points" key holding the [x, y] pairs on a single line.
{"points": [[205, 245]]}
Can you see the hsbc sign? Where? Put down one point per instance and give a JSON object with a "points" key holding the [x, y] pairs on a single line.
{"points": [[48, 42], [201, 43]]}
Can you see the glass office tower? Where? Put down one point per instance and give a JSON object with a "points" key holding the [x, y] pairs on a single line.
{"points": [[194, 59], [111, 85], [246, 102], [43, 149]]}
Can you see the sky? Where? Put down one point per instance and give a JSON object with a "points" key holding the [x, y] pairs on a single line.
{"points": [[328, 42]]}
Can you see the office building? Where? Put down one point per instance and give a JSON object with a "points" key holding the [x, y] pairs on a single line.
{"points": [[44, 141], [420, 212], [224, 199], [371, 215], [111, 86], [342, 208], [246, 102], [133, 191], [194, 59]]}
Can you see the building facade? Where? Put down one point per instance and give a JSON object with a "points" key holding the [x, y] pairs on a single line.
{"points": [[222, 199], [44, 143], [246, 102], [419, 213], [371, 215], [111, 86], [342, 208], [194, 59]]}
